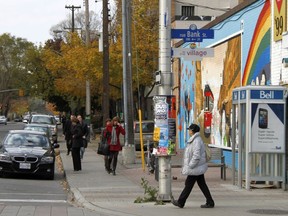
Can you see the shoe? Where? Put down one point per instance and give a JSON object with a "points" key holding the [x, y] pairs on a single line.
{"points": [[208, 205], [108, 170], [114, 173], [175, 203]]}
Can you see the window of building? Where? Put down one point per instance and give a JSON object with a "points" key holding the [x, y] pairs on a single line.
{"points": [[188, 11]]}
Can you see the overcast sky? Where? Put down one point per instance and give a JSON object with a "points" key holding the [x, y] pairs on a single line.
{"points": [[32, 19]]}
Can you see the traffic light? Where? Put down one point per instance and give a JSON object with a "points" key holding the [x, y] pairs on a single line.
{"points": [[21, 92]]}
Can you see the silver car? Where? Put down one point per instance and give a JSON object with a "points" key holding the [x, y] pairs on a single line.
{"points": [[45, 119], [3, 120]]}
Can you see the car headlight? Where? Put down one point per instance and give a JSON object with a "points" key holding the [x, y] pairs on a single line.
{"points": [[48, 159], [5, 157]]}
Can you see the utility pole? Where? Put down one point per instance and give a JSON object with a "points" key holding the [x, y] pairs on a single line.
{"points": [[88, 95], [129, 148], [106, 89], [164, 91], [73, 9]]}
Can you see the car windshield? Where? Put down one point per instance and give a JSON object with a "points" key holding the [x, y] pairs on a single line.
{"points": [[26, 140], [35, 128], [42, 120], [147, 127]]}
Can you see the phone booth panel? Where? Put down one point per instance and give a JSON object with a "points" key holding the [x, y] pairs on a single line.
{"points": [[258, 134]]}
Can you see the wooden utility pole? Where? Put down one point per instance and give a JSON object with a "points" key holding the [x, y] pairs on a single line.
{"points": [[106, 89], [73, 9]]}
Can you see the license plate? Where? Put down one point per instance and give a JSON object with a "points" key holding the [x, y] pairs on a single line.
{"points": [[148, 136], [25, 166]]}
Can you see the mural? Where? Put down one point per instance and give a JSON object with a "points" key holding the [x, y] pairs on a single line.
{"points": [[206, 86], [257, 69]]}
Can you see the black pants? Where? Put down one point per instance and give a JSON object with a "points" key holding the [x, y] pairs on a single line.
{"points": [[189, 184], [76, 159], [112, 158], [68, 145]]}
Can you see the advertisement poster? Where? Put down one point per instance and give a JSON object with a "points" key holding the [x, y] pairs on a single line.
{"points": [[267, 128], [161, 122]]}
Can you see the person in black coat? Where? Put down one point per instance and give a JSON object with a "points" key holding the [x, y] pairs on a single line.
{"points": [[85, 131], [67, 133], [77, 143]]}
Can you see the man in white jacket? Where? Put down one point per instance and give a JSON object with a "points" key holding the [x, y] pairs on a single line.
{"points": [[194, 166]]}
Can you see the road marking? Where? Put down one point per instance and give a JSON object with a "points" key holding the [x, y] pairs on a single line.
{"points": [[33, 200]]}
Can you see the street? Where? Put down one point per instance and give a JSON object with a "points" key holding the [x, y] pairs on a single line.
{"points": [[32, 195]]}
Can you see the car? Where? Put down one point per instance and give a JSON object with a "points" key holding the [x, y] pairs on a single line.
{"points": [[18, 119], [3, 120], [57, 118], [147, 134], [26, 118], [27, 152], [43, 128], [45, 119]]}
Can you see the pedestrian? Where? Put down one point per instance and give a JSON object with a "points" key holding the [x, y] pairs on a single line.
{"points": [[115, 129], [104, 136], [85, 132], [63, 121], [67, 133], [194, 166], [77, 143]]}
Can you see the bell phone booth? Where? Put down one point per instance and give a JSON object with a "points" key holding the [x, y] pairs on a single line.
{"points": [[258, 135]]}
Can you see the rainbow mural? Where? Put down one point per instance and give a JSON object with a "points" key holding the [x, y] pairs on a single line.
{"points": [[258, 60]]}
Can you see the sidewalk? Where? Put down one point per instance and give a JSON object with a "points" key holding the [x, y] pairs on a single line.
{"points": [[94, 189]]}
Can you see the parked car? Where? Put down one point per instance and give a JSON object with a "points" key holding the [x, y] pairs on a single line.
{"points": [[43, 128], [26, 119], [147, 134], [45, 119], [27, 152], [18, 119], [57, 118], [3, 120]]}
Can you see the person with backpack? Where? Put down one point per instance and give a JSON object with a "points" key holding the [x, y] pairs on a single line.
{"points": [[194, 166]]}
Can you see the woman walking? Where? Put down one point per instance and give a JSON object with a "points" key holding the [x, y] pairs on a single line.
{"points": [[77, 143], [114, 130], [194, 166]]}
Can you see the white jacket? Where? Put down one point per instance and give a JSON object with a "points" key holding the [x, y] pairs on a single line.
{"points": [[194, 160]]}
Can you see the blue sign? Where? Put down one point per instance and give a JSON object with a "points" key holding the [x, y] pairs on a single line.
{"points": [[196, 35], [235, 95], [267, 94]]}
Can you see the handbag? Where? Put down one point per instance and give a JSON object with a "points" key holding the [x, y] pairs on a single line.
{"points": [[103, 148]]}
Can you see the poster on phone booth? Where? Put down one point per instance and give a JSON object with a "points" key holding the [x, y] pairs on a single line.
{"points": [[267, 128]]}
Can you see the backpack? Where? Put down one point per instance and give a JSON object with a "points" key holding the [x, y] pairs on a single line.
{"points": [[207, 152]]}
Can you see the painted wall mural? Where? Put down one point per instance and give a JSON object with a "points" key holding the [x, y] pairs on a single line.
{"points": [[257, 68], [206, 86]]}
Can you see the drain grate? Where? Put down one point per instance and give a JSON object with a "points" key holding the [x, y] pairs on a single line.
{"points": [[269, 211]]}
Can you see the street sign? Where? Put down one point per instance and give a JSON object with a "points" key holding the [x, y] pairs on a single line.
{"points": [[193, 35], [195, 54]]}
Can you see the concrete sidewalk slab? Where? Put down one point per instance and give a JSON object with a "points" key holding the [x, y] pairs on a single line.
{"points": [[93, 188]]}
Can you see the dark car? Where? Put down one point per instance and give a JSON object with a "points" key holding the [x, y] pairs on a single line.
{"points": [[27, 152]]}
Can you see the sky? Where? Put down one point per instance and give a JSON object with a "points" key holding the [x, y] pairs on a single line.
{"points": [[32, 19]]}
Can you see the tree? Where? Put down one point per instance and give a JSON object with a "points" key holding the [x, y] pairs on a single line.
{"points": [[145, 19], [13, 70]]}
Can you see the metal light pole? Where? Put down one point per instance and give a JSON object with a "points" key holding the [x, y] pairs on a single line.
{"points": [[88, 97], [129, 148], [165, 89]]}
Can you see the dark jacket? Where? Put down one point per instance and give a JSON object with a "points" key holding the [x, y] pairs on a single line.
{"points": [[67, 130], [77, 136], [119, 130]]}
